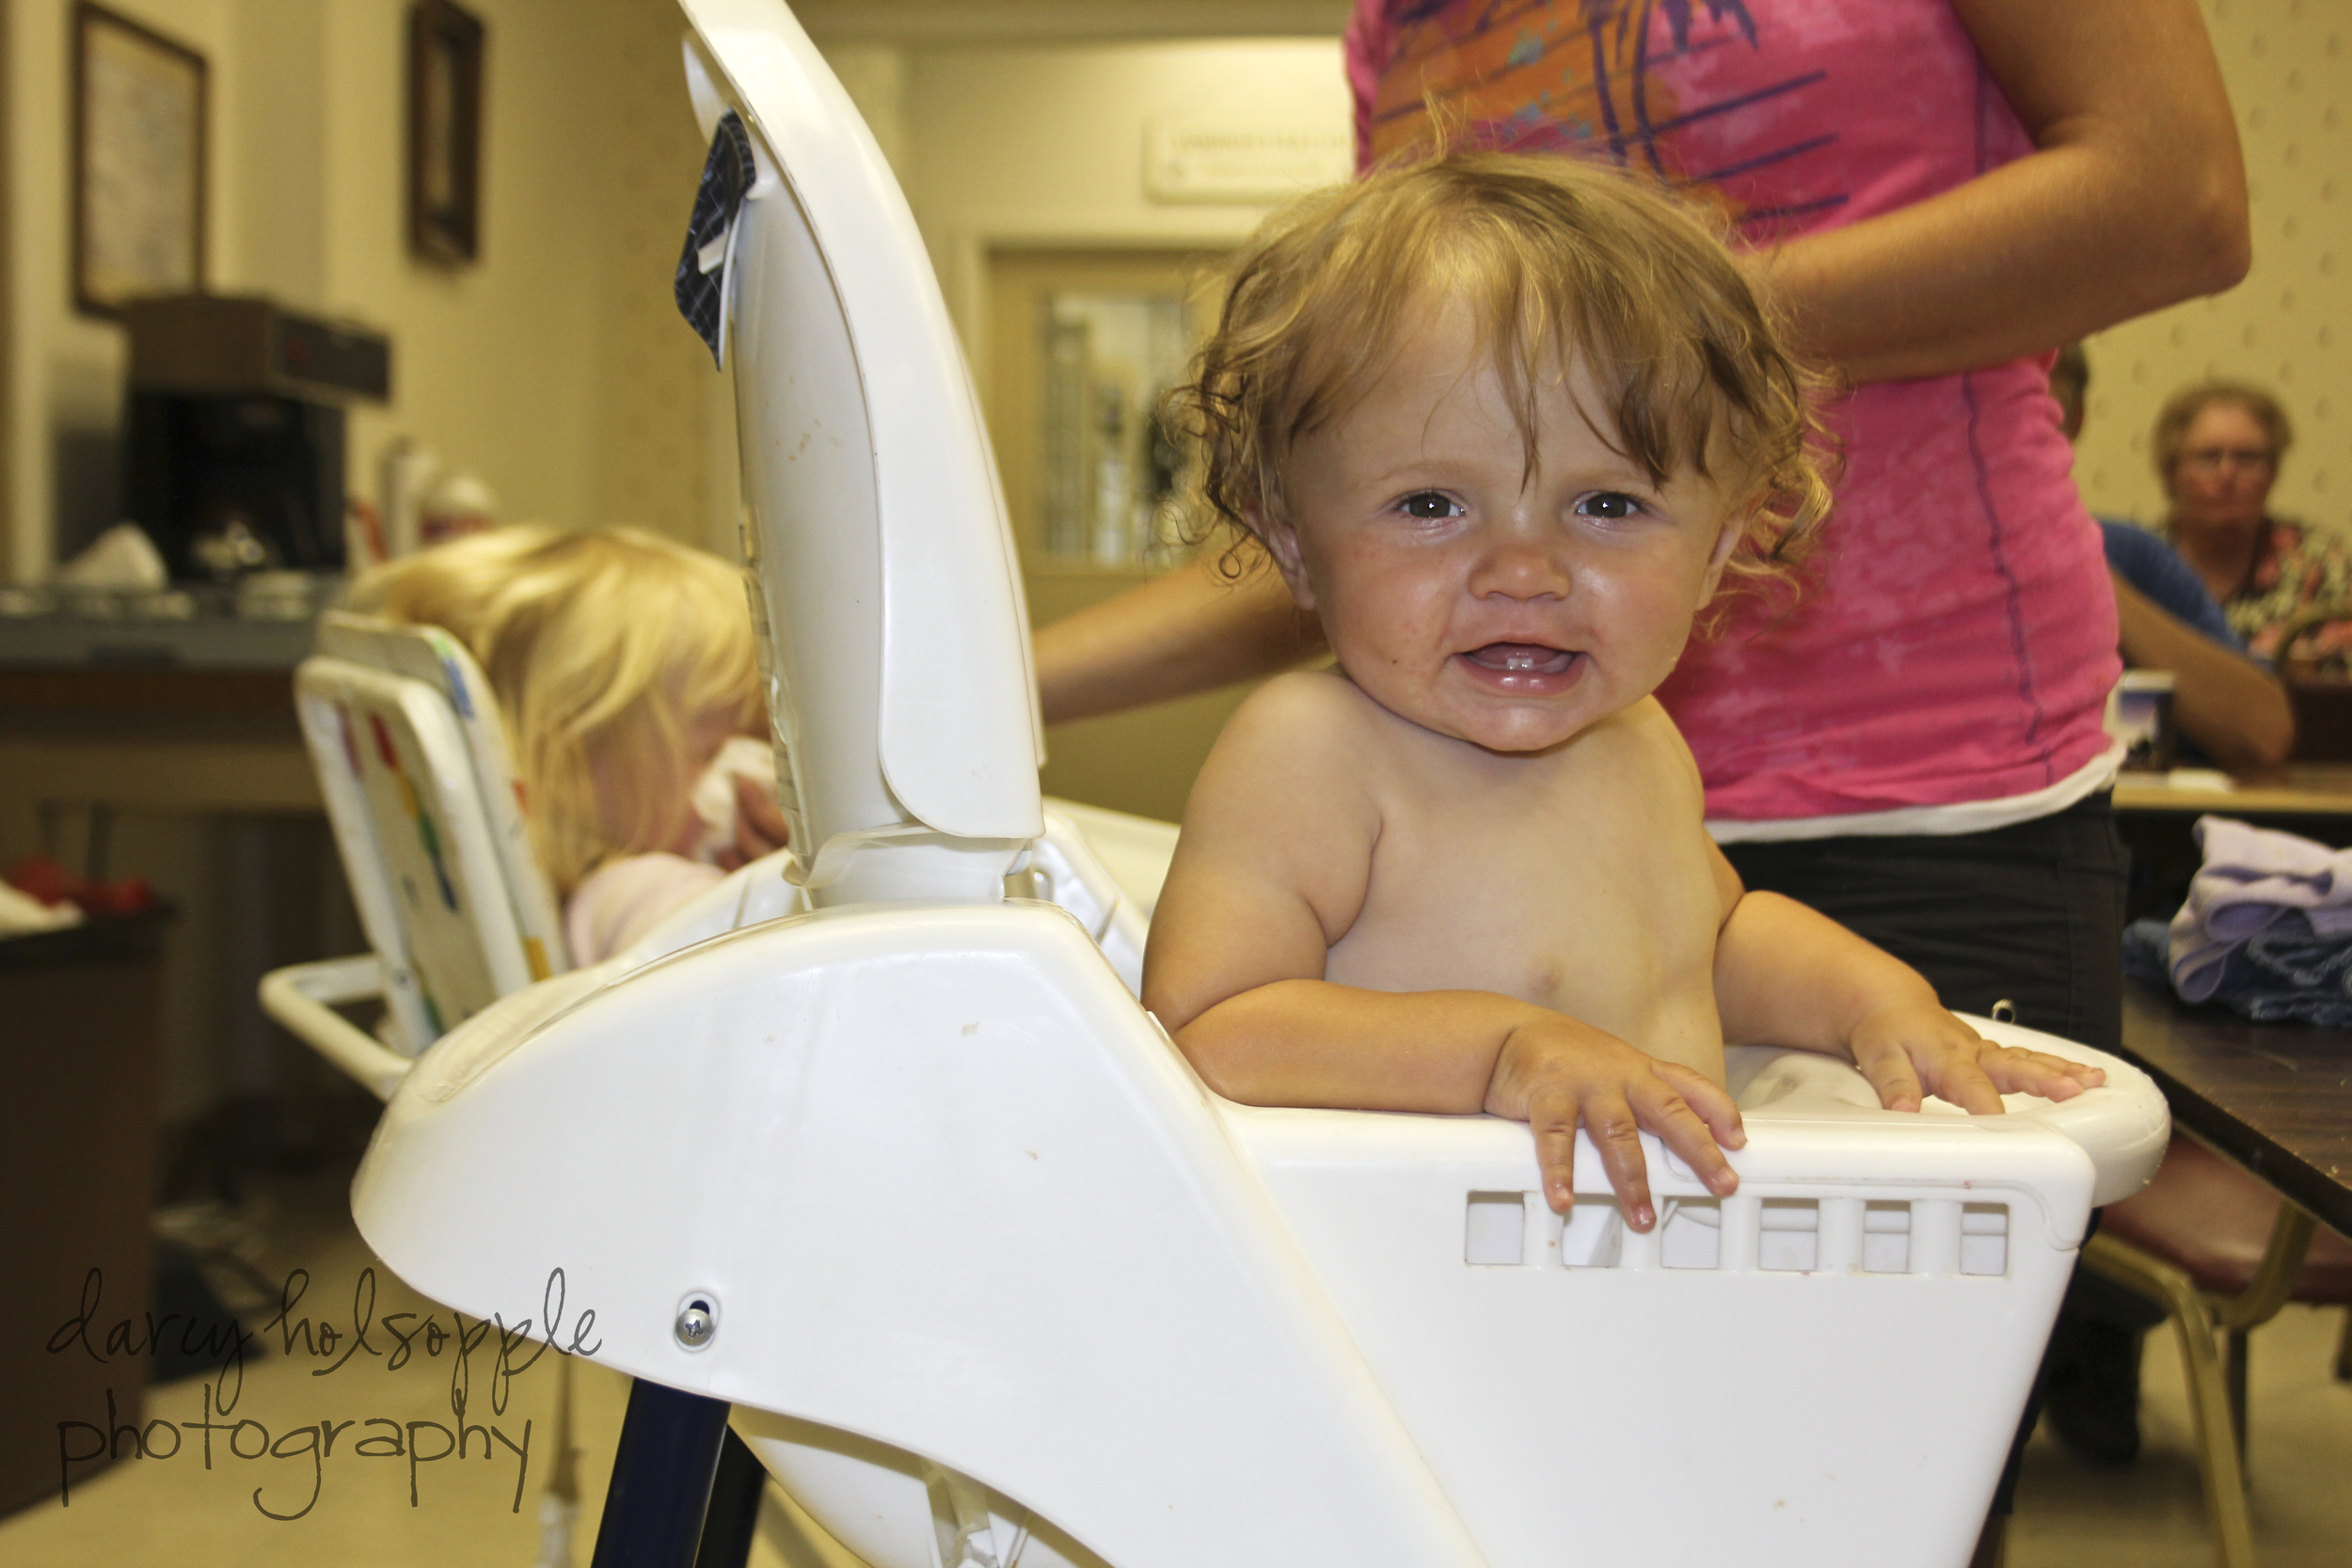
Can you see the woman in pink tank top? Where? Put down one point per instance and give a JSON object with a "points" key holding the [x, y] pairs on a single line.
{"points": [[1939, 193]]}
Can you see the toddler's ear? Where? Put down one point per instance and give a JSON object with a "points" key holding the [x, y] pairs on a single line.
{"points": [[1735, 526], [1281, 543]]}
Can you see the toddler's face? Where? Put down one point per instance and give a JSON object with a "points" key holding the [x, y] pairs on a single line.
{"points": [[1507, 608], [648, 802]]}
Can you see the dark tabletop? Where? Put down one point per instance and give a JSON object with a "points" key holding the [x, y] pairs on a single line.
{"points": [[2277, 1097]]}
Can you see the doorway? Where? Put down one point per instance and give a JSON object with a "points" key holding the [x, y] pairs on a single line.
{"points": [[1082, 344]]}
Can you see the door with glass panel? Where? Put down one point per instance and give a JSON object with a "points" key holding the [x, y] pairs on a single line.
{"points": [[1082, 344]]}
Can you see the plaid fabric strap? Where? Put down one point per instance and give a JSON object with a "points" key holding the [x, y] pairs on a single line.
{"points": [[727, 173]]}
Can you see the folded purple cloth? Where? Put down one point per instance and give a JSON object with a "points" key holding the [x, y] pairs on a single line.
{"points": [[2255, 879]]}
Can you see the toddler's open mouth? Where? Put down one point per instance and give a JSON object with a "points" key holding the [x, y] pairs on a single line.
{"points": [[1524, 668]]}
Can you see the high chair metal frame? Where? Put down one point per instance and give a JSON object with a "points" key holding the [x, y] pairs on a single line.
{"points": [[988, 1276]]}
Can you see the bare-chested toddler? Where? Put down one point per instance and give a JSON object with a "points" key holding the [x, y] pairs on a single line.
{"points": [[1505, 425]]}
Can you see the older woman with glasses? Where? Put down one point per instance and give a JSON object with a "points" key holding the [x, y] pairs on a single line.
{"points": [[2285, 588]]}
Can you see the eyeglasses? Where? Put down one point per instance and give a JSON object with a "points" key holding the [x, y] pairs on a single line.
{"points": [[2211, 460]]}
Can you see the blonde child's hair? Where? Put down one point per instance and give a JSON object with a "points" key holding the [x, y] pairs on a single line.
{"points": [[1554, 257], [604, 647]]}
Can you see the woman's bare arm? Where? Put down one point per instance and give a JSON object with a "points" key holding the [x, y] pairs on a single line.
{"points": [[2135, 199], [1185, 632], [2229, 704]]}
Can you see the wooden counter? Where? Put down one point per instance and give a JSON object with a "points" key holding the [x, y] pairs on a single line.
{"points": [[2277, 1097], [2320, 789]]}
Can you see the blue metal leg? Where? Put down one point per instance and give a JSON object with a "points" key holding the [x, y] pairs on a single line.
{"points": [[662, 1476]]}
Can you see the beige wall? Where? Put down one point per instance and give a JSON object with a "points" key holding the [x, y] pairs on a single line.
{"points": [[1043, 145], [554, 367], [2289, 326]]}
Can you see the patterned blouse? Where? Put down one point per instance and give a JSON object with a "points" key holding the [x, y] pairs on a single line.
{"points": [[2299, 570]]}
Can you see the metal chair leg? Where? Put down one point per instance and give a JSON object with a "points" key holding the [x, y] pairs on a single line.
{"points": [[2271, 1288], [2208, 1394], [661, 1478], [2343, 1351]]}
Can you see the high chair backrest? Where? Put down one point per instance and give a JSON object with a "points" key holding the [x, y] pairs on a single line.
{"points": [[411, 756], [893, 623]]}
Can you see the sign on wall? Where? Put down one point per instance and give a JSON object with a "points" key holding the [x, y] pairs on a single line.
{"points": [[1243, 161]]}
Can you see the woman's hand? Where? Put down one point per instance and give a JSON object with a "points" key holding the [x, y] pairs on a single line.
{"points": [[1909, 1049]]}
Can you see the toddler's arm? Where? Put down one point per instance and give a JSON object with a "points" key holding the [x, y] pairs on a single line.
{"points": [[1786, 975], [1272, 869], [1309, 1042]]}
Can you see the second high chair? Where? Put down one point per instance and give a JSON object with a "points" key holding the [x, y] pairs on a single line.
{"points": [[912, 1182]]}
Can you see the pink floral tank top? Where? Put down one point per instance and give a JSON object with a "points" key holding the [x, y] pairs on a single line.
{"points": [[1956, 642]]}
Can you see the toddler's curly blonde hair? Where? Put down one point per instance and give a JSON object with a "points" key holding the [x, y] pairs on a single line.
{"points": [[1554, 257]]}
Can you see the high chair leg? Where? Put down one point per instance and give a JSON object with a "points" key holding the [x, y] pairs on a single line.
{"points": [[2237, 1351], [733, 1518], [2218, 1457], [1992, 1544], [662, 1476]]}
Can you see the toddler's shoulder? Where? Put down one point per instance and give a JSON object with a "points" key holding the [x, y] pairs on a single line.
{"points": [[1306, 713], [1295, 758], [1646, 742]]}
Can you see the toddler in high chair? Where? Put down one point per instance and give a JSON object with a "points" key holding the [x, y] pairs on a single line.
{"points": [[1503, 423], [625, 667]]}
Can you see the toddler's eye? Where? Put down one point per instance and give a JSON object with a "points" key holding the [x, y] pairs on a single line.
{"points": [[1608, 504], [1430, 506]]}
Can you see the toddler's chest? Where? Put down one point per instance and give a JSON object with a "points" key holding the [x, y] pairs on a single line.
{"points": [[1586, 901]]}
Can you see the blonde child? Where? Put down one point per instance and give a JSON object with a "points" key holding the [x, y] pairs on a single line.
{"points": [[624, 663], [1503, 424]]}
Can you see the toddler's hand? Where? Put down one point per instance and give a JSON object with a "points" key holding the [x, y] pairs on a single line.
{"points": [[1554, 1073], [760, 825], [1910, 1048]]}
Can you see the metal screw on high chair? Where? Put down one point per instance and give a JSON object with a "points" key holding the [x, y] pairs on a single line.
{"points": [[696, 1325]]}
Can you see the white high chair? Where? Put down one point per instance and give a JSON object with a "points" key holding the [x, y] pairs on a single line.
{"points": [[410, 756], [986, 1274]]}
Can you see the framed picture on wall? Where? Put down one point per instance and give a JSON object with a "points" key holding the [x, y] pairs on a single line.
{"points": [[445, 50], [138, 162]]}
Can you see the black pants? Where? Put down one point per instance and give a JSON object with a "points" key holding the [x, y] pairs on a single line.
{"points": [[2031, 914]]}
